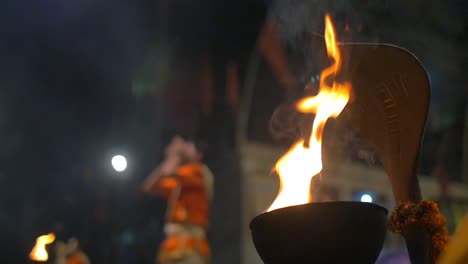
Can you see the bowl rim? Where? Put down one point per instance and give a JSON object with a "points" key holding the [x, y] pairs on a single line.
{"points": [[316, 204]]}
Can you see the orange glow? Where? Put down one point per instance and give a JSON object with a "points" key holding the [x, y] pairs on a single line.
{"points": [[297, 167], [39, 252]]}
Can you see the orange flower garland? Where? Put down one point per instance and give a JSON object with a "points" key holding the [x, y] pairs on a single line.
{"points": [[425, 213]]}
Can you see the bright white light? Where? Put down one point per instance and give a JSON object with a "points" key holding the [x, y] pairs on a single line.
{"points": [[119, 163], [366, 198]]}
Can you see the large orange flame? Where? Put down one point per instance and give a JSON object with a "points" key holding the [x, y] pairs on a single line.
{"points": [[39, 252], [297, 167]]}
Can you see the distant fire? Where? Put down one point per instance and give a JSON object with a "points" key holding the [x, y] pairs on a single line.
{"points": [[39, 252], [297, 167]]}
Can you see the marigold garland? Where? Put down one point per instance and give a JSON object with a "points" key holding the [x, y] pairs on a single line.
{"points": [[426, 213]]}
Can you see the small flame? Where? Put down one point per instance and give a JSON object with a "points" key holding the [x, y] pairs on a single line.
{"points": [[297, 167], [39, 252]]}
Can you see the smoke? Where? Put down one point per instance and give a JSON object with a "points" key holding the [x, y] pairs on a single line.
{"points": [[298, 16], [430, 29]]}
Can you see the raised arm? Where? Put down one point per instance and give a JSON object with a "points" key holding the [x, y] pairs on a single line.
{"points": [[272, 49], [160, 180]]}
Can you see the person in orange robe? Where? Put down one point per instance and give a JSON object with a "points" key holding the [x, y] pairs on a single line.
{"points": [[70, 253], [187, 184]]}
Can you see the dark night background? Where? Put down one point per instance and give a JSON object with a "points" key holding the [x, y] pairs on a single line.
{"points": [[82, 80]]}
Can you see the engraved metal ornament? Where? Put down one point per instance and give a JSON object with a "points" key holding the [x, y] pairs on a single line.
{"points": [[388, 107]]}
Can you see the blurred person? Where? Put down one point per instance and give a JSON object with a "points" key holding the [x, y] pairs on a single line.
{"points": [[187, 184], [204, 57], [70, 253]]}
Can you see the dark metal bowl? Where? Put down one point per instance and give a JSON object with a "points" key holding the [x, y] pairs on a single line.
{"points": [[330, 232]]}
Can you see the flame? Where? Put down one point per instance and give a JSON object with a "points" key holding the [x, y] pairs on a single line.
{"points": [[39, 252], [297, 167]]}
